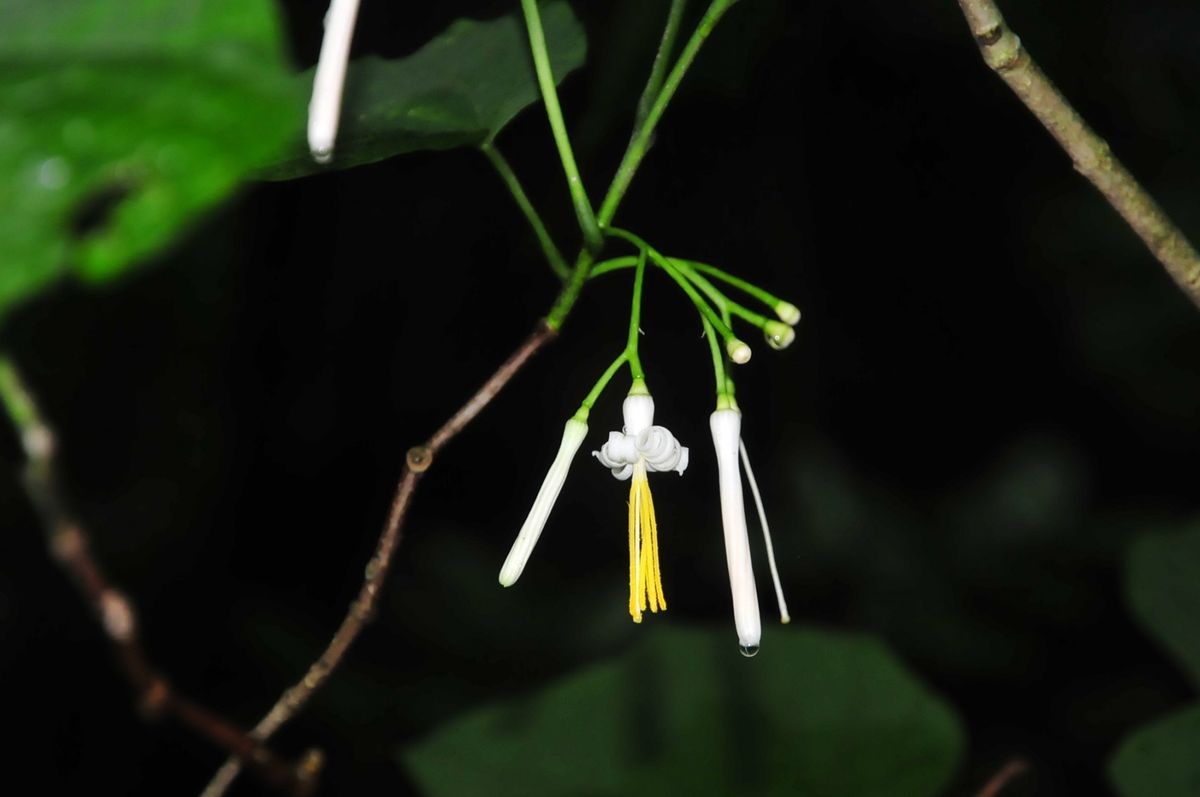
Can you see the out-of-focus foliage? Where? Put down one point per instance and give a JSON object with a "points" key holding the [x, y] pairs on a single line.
{"points": [[1161, 760], [119, 121], [817, 713], [459, 89], [1164, 588]]}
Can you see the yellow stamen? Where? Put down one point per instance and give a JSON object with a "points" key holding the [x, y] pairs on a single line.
{"points": [[645, 575]]}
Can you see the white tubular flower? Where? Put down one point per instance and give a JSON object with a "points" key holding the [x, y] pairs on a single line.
{"points": [[326, 104], [726, 426], [573, 436], [642, 447]]}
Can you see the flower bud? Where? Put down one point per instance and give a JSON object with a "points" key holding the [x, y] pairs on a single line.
{"points": [[779, 336]]}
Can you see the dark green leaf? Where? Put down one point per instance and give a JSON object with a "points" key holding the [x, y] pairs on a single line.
{"points": [[461, 87], [121, 120], [815, 714], [1164, 590], [1162, 759]]}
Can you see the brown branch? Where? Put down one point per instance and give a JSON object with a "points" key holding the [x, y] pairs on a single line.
{"points": [[1013, 769], [1003, 52], [70, 547], [417, 461]]}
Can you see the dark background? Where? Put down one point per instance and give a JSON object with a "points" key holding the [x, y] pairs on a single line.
{"points": [[993, 390]]}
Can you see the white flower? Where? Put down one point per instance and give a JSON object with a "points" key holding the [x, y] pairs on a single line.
{"points": [[639, 448], [326, 104], [726, 425], [573, 436]]}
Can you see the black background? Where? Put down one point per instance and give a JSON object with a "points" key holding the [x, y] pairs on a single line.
{"points": [[993, 389]]}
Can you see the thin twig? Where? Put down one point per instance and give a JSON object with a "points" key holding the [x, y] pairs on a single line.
{"points": [[362, 609], [70, 547], [1013, 769], [1003, 52]]}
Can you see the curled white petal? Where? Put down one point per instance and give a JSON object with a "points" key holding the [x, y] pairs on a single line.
{"points": [[325, 107], [661, 450], [618, 454], [573, 436], [726, 426], [638, 412]]}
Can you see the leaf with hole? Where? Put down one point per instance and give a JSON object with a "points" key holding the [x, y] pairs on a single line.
{"points": [[121, 121]]}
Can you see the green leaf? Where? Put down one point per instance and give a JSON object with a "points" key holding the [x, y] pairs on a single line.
{"points": [[121, 120], [1160, 760], [1164, 590], [460, 88], [815, 714]]}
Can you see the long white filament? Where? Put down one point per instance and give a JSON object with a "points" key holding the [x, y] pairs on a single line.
{"points": [[325, 107], [784, 617]]}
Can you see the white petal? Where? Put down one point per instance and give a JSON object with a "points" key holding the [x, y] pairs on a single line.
{"points": [[326, 104], [573, 436], [661, 450], [619, 451], [726, 426], [638, 412]]}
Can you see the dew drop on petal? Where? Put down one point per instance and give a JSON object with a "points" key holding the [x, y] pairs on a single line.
{"points": [[749, 651]]}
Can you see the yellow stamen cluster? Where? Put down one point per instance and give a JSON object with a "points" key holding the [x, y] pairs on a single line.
{"points": [[645, 577]]}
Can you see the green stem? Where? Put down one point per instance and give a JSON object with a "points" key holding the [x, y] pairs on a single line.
{"points": [[634, 153], [590, 400], [641, 140], [769, 299], [613, 264], [635, 317], [553, 256], [723, 302], [541, 62], [658, 69], [702, 306], [720, 372], [569, 294]]}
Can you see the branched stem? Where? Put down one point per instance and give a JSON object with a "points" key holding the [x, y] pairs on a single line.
{"points": [[553, 256], [706, 311], [640, 142], [1003, 52], [70, 546], [658, 69], [545, 75], [419, 458]]}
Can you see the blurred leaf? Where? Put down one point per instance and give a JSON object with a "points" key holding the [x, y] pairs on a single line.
{"points": [[120, 121], [814, 714], [460, 88], [1160, 760], [1164, 590]]}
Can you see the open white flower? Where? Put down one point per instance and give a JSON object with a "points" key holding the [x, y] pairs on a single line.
{"points": [[531, 530], [325, 107], [642, 447], [726, 426]]}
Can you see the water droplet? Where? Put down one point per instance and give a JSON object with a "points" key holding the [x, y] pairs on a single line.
{"points": [[749, 651]]}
